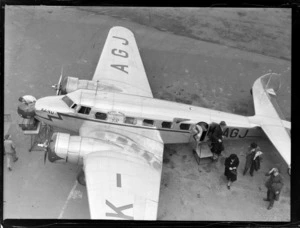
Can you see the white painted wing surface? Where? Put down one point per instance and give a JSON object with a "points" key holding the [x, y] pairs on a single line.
{"points": [[122, 185], [269, 115], [264, 96], [281, 139], [120, 65]]}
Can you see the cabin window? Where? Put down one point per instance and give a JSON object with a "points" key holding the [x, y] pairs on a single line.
{"points": [[166, 124], [68, 101], [101, 115], [130, 120], [184, 126], [148, 122], [84, 110]]}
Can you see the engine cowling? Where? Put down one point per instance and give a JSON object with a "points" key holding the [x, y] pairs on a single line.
{"points": [[66, 148], [71, 84], [26, 111]]}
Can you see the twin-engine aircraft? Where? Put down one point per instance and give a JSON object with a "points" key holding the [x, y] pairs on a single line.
{"points": [[123, 128]]}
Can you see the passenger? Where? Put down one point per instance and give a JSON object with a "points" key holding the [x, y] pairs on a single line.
{"points": [[198, 129], [216, 138], [274, 185], [253, 158], [10, 151], [27, 99], [231, 165]]}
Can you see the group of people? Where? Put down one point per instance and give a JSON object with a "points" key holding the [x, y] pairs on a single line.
{"points": [[253, 159]]}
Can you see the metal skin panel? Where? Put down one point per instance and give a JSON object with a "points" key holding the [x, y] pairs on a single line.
{"points": [[62, 146], [71, 85], [74, 149], [120, 64], [135, 197]]}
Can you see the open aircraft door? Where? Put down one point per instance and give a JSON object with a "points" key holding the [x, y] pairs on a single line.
{"points": [[199, 141]]}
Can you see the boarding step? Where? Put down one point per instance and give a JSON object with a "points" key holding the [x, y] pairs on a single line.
{"points": [[202, 152]]}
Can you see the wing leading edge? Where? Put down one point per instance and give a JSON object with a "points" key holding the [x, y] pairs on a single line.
{"points": [[120, 64]]}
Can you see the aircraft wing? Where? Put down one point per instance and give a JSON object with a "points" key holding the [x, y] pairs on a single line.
{"points": [[280, 139], [124, 183], [120, 66], [269, 115]]}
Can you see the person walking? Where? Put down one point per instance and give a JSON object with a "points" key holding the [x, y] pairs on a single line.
{"points": [[231, 165], [10, 151], [253, 159], [274, 185]]}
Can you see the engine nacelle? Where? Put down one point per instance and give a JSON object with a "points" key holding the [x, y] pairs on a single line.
{"points": [[26, 111], [66, 148], [71, 84]]}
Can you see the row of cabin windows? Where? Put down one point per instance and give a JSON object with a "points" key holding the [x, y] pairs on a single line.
{"points": [[146, 122], [132, 120]]}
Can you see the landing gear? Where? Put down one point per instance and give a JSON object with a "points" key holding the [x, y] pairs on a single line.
{"points": [[81, 178]]}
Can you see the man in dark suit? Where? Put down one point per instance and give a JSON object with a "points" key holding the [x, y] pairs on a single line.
{"points": [[216, 137]]}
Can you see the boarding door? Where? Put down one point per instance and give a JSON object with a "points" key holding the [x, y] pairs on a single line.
{"points": [[199, 138]]}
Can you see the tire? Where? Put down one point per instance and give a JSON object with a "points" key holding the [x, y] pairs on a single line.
{"points": [[81, 178]]}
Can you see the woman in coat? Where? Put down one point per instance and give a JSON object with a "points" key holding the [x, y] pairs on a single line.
{"points": [[231, 165]]}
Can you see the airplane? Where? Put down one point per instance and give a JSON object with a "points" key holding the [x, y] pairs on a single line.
{"points": [[122, 129]]}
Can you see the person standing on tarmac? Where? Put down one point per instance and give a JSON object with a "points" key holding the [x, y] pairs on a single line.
{"points": [[274, 185], [216, 137], [253, 158], [10, 151], [231, 165]]}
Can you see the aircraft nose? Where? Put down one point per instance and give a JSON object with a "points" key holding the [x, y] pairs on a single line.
{"points": [[26, 109]]}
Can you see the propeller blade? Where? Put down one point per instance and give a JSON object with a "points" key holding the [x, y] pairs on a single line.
{"points": [[59, 81]]}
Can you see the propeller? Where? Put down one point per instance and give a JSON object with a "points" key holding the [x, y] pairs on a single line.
{"points": [[45, 146], [57, 86]]}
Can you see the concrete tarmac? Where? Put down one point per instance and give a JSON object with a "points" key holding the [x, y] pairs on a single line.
{"points": [[40, 40]]}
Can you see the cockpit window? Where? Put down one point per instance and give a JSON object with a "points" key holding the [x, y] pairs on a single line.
{"points": [[68, 101]]}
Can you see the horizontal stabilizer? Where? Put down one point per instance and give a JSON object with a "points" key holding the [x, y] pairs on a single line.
{"points": [[269, 116]]}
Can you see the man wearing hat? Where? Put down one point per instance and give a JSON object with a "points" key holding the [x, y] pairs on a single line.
{"points": [[253, 158], [274, 185], [10, 151], [216, 138]]}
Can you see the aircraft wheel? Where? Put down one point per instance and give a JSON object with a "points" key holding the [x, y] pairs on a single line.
{"points": [[81, 178], [251, 91], [289, 171]]}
